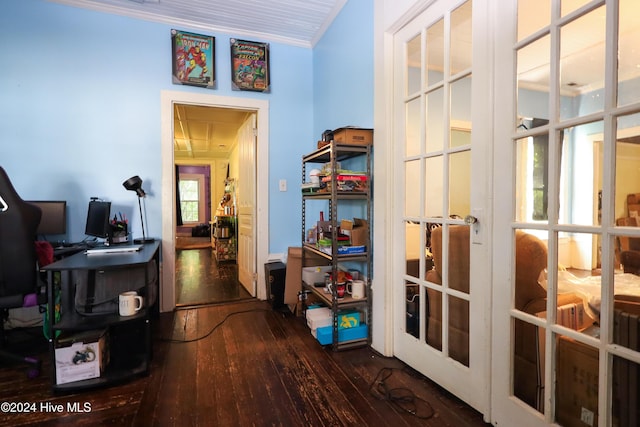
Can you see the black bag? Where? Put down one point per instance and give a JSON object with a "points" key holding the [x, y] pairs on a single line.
{"points": [[97, 291]]}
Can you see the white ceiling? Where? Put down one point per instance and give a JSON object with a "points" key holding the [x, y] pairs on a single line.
{"points": [[205, 132], [296, 22]]}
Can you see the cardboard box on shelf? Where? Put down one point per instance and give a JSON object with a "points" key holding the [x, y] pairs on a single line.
{"points": [[353, 136], [358, 230], [81, 356], [293, 279]]}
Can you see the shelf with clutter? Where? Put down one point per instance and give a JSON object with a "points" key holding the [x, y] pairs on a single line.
{"points": [[336, 179]]}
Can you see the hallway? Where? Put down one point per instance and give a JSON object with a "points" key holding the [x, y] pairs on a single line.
{"points": [[200, 280]]}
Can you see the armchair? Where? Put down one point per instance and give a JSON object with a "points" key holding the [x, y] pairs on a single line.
{"points": [[19, 279]]}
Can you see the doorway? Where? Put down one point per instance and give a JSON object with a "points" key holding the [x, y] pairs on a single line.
{"points": [[206, 153], [259, 204]]}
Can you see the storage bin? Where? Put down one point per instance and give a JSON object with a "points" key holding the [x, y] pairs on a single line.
{"points": [[324, 335], [314, 276]]}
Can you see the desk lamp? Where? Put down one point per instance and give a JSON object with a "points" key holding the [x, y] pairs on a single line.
{"points": [[135, 184]]}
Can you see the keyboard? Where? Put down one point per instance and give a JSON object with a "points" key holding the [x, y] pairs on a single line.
{"points": [[114, 249]]}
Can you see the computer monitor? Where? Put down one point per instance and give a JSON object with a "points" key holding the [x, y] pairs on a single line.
{"points": [[98, 219], [54, 216]]}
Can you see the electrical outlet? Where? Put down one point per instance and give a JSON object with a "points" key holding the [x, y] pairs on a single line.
{"points": [[283, 185], [586, 416]]}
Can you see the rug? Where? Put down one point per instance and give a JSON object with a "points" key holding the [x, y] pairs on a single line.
{"points": [[192, 242]]}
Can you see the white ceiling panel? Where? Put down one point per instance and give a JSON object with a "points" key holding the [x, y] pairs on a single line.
{"points": [[296, 22]]}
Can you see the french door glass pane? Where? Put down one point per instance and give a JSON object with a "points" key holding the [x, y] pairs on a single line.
{"points": [[581, 174], [626, 382], [434, 120], [627, 174], [413, 65], [412, 128], [412, 248], [434, 71], [411, 196], [459, 137], [533, 82], [568, 6], [533, 15], [461, 40], [459, 330], [460, 183], [532, 172], [579, 281], [433, 319], [576, 382], [460, 105], [582, 65], [412, 305], [628, 69], [434, 186]]}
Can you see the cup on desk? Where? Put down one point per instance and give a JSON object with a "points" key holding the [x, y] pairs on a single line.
{"points": [[129, 303], [356, 289]]}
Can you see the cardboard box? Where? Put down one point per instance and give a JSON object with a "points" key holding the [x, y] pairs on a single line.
{"points": [[81, 356], [358, 230], [353, 136], [576, 383]]}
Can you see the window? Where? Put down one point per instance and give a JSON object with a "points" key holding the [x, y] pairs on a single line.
{"points": [[190, 200]]}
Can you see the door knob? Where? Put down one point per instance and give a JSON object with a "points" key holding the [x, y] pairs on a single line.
{"points": [[470, 220]]}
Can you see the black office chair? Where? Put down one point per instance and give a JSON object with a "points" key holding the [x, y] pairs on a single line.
{"points": [[19, 278]]}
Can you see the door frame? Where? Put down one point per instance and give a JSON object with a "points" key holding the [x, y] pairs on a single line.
{"points": [[261, 236]]}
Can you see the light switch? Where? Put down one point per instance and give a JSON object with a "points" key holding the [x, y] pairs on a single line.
{"points": [[283, 185]]}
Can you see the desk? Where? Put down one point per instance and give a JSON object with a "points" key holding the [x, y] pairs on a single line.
{"points": [[129, 337], [65, 251]]}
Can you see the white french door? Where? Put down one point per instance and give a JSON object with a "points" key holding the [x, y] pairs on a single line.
{"points": [[566, 337], [442, 161]]}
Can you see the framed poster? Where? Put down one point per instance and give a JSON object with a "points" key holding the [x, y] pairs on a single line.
{"points": [[249, 65], [193, 59]]}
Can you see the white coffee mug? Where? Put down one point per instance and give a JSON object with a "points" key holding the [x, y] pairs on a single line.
{"points": [[129, 303], [356, 289]]}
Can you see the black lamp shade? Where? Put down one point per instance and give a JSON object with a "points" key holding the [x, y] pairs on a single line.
{"points": [[134, 184]]}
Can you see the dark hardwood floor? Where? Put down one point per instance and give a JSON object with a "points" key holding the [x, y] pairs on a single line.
{"points": [[201, 280], [241, 364]]}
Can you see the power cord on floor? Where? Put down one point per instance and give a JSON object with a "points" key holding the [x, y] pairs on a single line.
{"points": [[174, 341], [401, 397]]}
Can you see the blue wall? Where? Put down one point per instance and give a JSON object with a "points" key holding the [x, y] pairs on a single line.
{"points": [[80, 105], [343, 71]]}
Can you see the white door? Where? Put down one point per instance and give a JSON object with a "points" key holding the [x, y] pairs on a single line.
{"points": [[246, 191], [442, 164], [566, 337]]}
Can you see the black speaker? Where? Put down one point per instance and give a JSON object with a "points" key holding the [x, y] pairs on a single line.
{"points": [[275, 274]]}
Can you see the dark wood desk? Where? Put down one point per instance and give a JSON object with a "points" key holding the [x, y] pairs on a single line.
{"points": [[129, 337]]}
